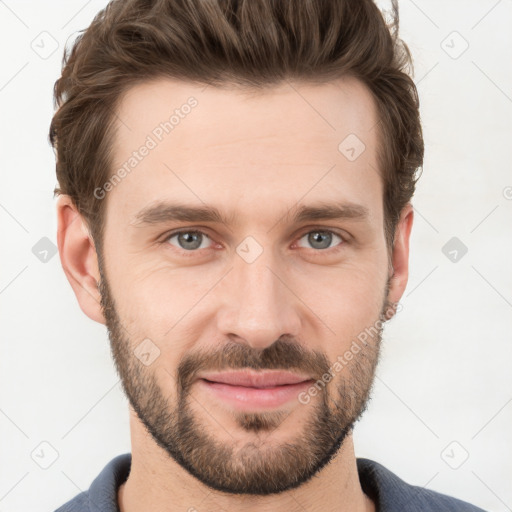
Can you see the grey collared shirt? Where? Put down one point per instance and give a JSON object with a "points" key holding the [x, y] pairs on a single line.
{"points": [[388, 491]]}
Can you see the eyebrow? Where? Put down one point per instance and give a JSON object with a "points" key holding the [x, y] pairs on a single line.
{"points": [[162, 212]]}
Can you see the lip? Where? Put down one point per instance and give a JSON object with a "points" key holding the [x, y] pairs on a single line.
{"points": [[249, 391], [252, 379]]}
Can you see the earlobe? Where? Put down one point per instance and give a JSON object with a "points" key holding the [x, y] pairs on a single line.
{"points": [[399, 267], [79, 258]]}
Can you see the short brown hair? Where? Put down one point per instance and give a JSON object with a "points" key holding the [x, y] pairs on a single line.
{"points": [[252, 43]]}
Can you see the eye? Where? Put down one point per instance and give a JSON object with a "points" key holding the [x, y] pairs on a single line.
{"points": [[321, 239], [188, 240]]}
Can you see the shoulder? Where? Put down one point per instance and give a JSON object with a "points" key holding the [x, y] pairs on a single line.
{"points": [[391, 493], [79, 503], [102, 494]]}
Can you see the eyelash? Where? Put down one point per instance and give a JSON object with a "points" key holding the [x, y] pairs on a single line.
{"points": [[320, 229]]}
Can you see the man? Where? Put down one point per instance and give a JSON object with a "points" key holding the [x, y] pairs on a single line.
{"points": [[235, 182]]}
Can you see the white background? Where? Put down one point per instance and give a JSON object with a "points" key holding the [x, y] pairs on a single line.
{"points": [[444, 386]]}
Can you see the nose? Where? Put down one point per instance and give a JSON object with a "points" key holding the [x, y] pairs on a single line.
{"points": [[258, 303]]}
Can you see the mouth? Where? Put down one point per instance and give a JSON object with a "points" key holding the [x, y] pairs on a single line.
{"points": [[249, 390]]}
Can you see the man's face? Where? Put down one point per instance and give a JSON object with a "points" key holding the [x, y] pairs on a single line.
{"points": [[264, 289]]}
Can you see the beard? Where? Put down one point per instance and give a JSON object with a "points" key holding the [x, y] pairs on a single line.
{"points": [[261, 465]]}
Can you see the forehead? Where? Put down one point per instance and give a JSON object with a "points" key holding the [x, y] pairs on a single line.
{"points": [[230, 148]]}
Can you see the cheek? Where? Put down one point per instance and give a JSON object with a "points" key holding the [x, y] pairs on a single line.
{"points": [[158, 302], [346, 298]]}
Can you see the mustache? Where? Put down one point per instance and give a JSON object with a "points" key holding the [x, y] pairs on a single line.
{"points": [[283, 354]]}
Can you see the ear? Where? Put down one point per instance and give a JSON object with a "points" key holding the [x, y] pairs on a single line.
{"points": [[399, 272], [78, 257]]}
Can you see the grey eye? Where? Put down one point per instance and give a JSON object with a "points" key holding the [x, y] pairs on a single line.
{"points": [[320, 239], [189, 240]]}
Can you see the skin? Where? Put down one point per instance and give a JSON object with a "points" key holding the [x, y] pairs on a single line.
{"points": [[255, 156]]}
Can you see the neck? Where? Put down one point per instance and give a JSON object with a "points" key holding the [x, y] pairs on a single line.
{"points": [[157, 483]]}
